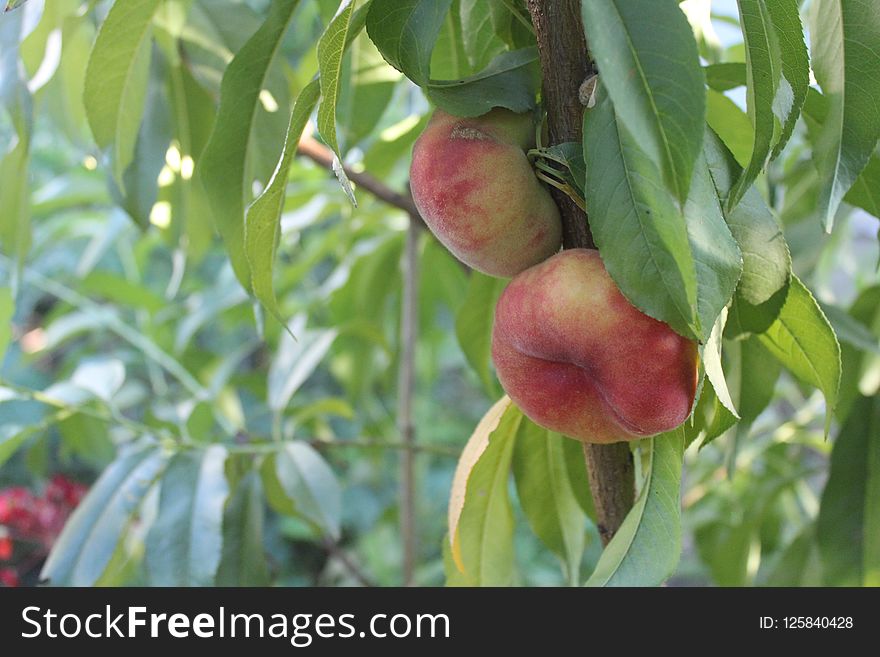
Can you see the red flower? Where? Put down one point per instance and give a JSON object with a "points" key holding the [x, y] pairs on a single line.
{"points": [[5, 548]]}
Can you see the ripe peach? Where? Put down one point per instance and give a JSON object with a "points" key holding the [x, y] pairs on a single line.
{"points": [[474, 187], [579, 359]]}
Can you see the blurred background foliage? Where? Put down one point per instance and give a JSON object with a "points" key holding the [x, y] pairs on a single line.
{"points": [[233, 452]]}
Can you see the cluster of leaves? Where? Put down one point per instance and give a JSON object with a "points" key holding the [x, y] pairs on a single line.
{"points": [[189, 114], [670, 171]]}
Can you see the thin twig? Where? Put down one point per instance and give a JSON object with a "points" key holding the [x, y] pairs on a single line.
{"points": [[409, 315], [322, 155]]}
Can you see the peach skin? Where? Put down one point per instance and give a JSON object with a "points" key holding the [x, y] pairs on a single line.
{"points": [[476, 190], [579, 359]]}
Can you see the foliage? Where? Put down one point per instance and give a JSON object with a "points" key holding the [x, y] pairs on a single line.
{"points": [[234, 400]]}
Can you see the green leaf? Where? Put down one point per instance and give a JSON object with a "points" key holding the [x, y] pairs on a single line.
{"points": [[12, 436], [731, 124], [296, 360], [758, 375], [473, 326], [679, 268], [454, 577], [405, 32], [243, 561], [15, 236], [764, 73], [646, 549], [714, 369], [850, 330], [116, 79], [798, 564], [547, 495], [795, 66], [140, 189], [746, 318], [766, 258], [86, 545], [719, 418], [486, 524], [804, 342], [777, 82], [649, 63], [223, 166], [330, 50], [846, 62], [510, 80], [857, 357], [716, 255], [865, 192], [7, 312], [849, 516], [479, 20], [263, 219], [577, 475], [636, 225], [448, 57], [104, 284], [184, 543], [299, 482], [368, 87], [729, 75]]}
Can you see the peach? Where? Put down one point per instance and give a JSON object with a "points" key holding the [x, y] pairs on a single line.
{"points": [[477, 192], [579, 359]]}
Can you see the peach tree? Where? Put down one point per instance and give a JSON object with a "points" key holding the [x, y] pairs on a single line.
{"points": [[644, 228]]}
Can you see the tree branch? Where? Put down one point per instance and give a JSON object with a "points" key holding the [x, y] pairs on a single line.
{"points": [[320, 154], [409, 316], [565, 64]]}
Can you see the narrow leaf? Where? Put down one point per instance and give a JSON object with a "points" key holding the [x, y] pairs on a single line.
{"points": [[731, 124], [545, 491], [786, 19], [766, 257], [184, 544], [223, 167], [116, 79], [86, 545], [729, 75], [865, 192], [640, 232], [770, 97], [712, 363], [264, 214], [849, 516], [647, 547], [846, 62], [473, 325], [717, 259], [330, 49], [307, 485], [296, 360], [649, 62], [243, 562], [485, 526]]}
